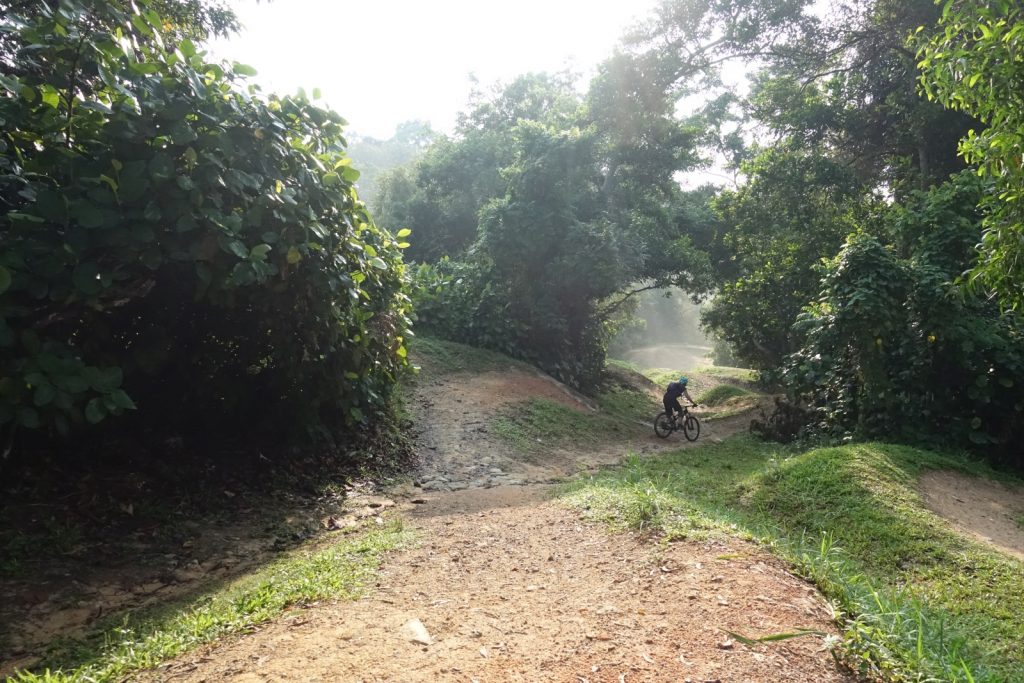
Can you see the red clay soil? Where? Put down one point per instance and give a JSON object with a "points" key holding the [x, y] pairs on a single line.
{"points": [[988, 510], [506, 584], [510, 586]]}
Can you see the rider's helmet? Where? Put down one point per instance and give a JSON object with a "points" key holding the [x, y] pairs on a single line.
{"points": [[683, 381]]}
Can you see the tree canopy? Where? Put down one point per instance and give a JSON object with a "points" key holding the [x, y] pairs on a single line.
{"points": [[833, 265]]}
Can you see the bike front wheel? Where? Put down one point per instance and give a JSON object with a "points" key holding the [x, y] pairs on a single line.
{"points": [[663, 425], [691, 428]]}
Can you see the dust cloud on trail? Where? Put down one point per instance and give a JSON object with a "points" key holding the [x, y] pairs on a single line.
{"points": [[679, 356], [667, 334]]}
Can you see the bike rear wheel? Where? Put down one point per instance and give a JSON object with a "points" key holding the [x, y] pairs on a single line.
{"points": [[663, 425], [691, 428]]}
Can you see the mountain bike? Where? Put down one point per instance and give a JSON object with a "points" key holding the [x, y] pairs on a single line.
{"points": [[665, 424]]}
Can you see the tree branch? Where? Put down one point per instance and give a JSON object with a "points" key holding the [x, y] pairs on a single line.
{"points": [[607, 311]]}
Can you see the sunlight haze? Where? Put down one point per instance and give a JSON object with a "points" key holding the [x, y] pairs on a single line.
{"points": [[379, 64]]}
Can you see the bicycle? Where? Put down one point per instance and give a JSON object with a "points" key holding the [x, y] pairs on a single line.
{"points": [[665, 424]]}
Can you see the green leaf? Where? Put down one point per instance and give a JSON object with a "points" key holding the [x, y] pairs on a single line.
{"points": [[44, 394], [243, 69], [104, 379], [350, 174], [5, 279], [95, 411], [378, 263], [404, 232], [187, 47], [145, 68], [259, 252], [122, 400], [237, 248], [294, 256]]}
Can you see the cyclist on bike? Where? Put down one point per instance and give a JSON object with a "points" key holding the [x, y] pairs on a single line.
{"points": [[671, 398]]}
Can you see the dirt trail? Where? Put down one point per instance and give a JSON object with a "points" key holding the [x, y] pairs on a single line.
{"points": [[509, 585], [988, 510]]}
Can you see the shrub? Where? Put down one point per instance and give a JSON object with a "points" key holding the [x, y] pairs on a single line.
{"points": [[174, 242]]}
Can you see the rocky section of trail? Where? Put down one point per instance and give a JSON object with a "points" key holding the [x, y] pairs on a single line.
{"points": [[508, 586], [457, 448]]}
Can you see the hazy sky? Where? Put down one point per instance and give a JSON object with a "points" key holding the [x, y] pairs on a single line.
{"points": [[381, 62]]}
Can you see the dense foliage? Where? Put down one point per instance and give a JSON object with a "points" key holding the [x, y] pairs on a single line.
{"points": [[797, 207], [894, 350], [173, 241], [975, 63], [549, 211], [836, 259]]}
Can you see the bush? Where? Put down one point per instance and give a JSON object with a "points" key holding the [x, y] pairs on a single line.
{"points": [[173, 242], [895, 350]]}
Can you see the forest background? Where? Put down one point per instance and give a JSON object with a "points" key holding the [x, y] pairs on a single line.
{"points": [[187, 262]]}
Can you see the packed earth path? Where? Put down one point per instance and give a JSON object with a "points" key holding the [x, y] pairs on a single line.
{"points": [[505, 583]]}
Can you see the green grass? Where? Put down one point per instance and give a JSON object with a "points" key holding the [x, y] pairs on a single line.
{"points": [[716, 396], [704, 378], [662, 376], [729, 373], [440, 357], [330, 570], [918, 599], [540, 423]]}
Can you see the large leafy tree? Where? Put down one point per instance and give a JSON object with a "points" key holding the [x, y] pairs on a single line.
{"points": [[975, 64], [796, 209], [172, 240], [893, 349], [560, 209]]}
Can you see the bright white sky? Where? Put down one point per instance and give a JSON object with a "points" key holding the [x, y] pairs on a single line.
{"points": [[381, 62]]}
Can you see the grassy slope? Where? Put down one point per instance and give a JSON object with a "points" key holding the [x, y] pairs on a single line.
{"points": [[331, 569], [540, 423], [851, 519]]}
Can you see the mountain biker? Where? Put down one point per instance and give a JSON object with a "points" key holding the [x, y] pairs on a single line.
{"points": [[671, 398]]}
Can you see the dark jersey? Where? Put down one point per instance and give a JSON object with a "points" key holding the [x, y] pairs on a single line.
{"points": [[675, 390]]}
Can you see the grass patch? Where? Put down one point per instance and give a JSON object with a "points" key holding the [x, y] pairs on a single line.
{"points": [[716, 396], [918, 600], [729, 373], [624, 365], [440, 357], [540, 423], [661, 376], [331, 570]]}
